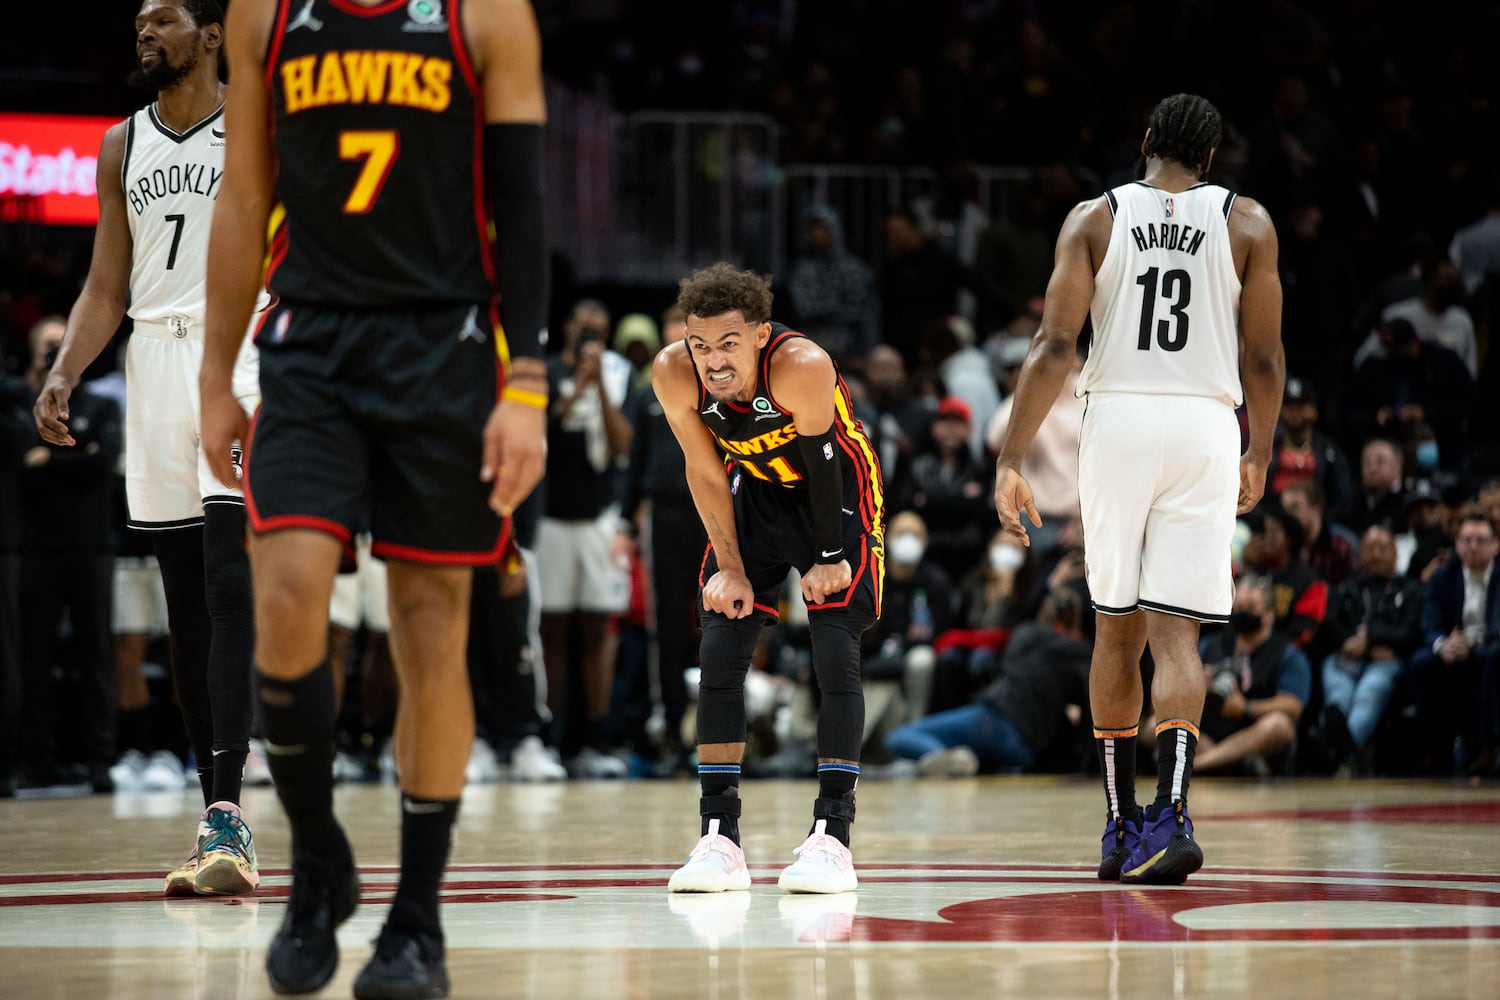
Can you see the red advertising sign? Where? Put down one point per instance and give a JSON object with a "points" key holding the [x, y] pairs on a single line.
{"points": [[47, 167]]}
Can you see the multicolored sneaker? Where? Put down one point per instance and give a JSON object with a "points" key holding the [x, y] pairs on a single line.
{"points": [[1166, 853], [717, 864], [1115, 847], [226, 853], [181, 882], [823, 865]]}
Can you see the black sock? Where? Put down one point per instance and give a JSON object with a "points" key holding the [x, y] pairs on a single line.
{"points": [[134, 725], [426, 836], [297, 721], [835, 803], [721, 799], [1117, 763], [228, 775], [598, 735], [1176, 742]]}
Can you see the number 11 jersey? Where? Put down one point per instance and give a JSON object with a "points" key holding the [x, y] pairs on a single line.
{"points": [[1167, 297], [379, 131]]}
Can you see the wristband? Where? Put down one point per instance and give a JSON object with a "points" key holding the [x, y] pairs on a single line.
{"points": [[535, 400]]}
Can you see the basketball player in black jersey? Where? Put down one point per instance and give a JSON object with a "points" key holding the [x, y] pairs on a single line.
{"points": [[389, 137], [783, 477]]}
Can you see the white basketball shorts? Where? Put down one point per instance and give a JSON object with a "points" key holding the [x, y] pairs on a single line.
{"points": [[578, 567], [1158, 479], [140, 598], [360, 597], [167, 479]]}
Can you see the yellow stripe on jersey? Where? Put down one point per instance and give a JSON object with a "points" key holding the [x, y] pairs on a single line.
{"points": [[273, 224], [872, 464]]}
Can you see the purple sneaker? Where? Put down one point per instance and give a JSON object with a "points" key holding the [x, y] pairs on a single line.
{"points": [[1117, 844], [1166, 853]]}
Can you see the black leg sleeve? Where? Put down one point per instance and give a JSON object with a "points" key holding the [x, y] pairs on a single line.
{"points": [[179, 553], [841, 718], [727, 647], [231, 610]]}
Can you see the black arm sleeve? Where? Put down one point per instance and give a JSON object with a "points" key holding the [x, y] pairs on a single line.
{"points": [[513, 174], [825, 488]]}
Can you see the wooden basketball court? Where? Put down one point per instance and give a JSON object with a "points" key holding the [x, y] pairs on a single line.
{"points": [[979, 888]]}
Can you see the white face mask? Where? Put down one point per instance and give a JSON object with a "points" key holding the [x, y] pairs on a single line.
{"points": [[906, 548], [1003, 557]]}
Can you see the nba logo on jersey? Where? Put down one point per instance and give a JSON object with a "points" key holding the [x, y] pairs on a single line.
{"points": [[1170, 206], [278, 332], [734, 483], [828, 452]]}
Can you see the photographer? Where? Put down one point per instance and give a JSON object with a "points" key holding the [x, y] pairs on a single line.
{"points": [[1258, 685]]}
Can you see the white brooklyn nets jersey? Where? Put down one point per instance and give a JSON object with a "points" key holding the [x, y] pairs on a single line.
{"points": [[1167, 297], [171, 181]]}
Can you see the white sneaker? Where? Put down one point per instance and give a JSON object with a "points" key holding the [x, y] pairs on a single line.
{"points": [[717, 864], [126, 772], [823, 865], [953, 762], [163, 773], [257, 771], [530, 761], [483, 767], [591, 763]]}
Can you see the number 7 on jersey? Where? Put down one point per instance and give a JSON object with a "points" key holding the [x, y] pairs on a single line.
{"points": [[378, 150]]}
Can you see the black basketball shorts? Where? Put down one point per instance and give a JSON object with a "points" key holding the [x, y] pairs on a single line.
{"points": [[377, 418]]}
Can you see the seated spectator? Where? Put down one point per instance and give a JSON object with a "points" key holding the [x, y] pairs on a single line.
{"points": [[1258, 684], [1489, 502], [1329, 548], [1437, 315], [1418, 383], [1458, 692], [1300, 598], [1375, 620], [992, 598], [1304, 454], [1042, 688], [950, 489], [915, 610], [1380, 494], [1427, 544], [902, 418]]}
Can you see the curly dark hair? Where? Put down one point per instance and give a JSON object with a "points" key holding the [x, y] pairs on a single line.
{"points": [[722, 288], [1184, 127]]}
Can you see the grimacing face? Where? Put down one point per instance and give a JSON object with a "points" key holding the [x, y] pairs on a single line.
{"points": [[726, 351]]}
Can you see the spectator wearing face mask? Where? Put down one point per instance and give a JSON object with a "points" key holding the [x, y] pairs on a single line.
{"points": [[915, 610], [992, 598], [1416, 383], [1259, 683]]}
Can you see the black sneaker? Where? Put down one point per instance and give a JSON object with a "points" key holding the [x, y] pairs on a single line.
{"points": [[304, 954], [407, 965]]}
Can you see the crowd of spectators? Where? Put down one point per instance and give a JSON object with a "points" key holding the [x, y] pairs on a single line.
{"points": [[1366, 632]]}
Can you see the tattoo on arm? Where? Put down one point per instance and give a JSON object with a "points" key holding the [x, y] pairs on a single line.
{"points": [[722, 536]]}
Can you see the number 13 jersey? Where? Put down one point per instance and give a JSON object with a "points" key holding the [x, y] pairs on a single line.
{"points": [[379, 131], [1166, 297]]}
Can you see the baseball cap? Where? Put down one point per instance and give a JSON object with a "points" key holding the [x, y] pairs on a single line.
{"points": [[955, 408], [1299, 391]]}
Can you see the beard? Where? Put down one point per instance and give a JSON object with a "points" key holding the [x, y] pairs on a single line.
{"points": [[163, 75]]}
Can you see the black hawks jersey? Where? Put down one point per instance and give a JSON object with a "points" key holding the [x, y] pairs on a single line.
{"points": [[759, 438], [379, 125]]}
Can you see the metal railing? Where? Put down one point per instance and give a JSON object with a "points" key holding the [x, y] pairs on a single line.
{"points": [[645, 198]]}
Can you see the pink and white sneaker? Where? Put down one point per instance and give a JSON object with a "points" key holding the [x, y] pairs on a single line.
{"points": [[823, 865], [717, 864]]}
